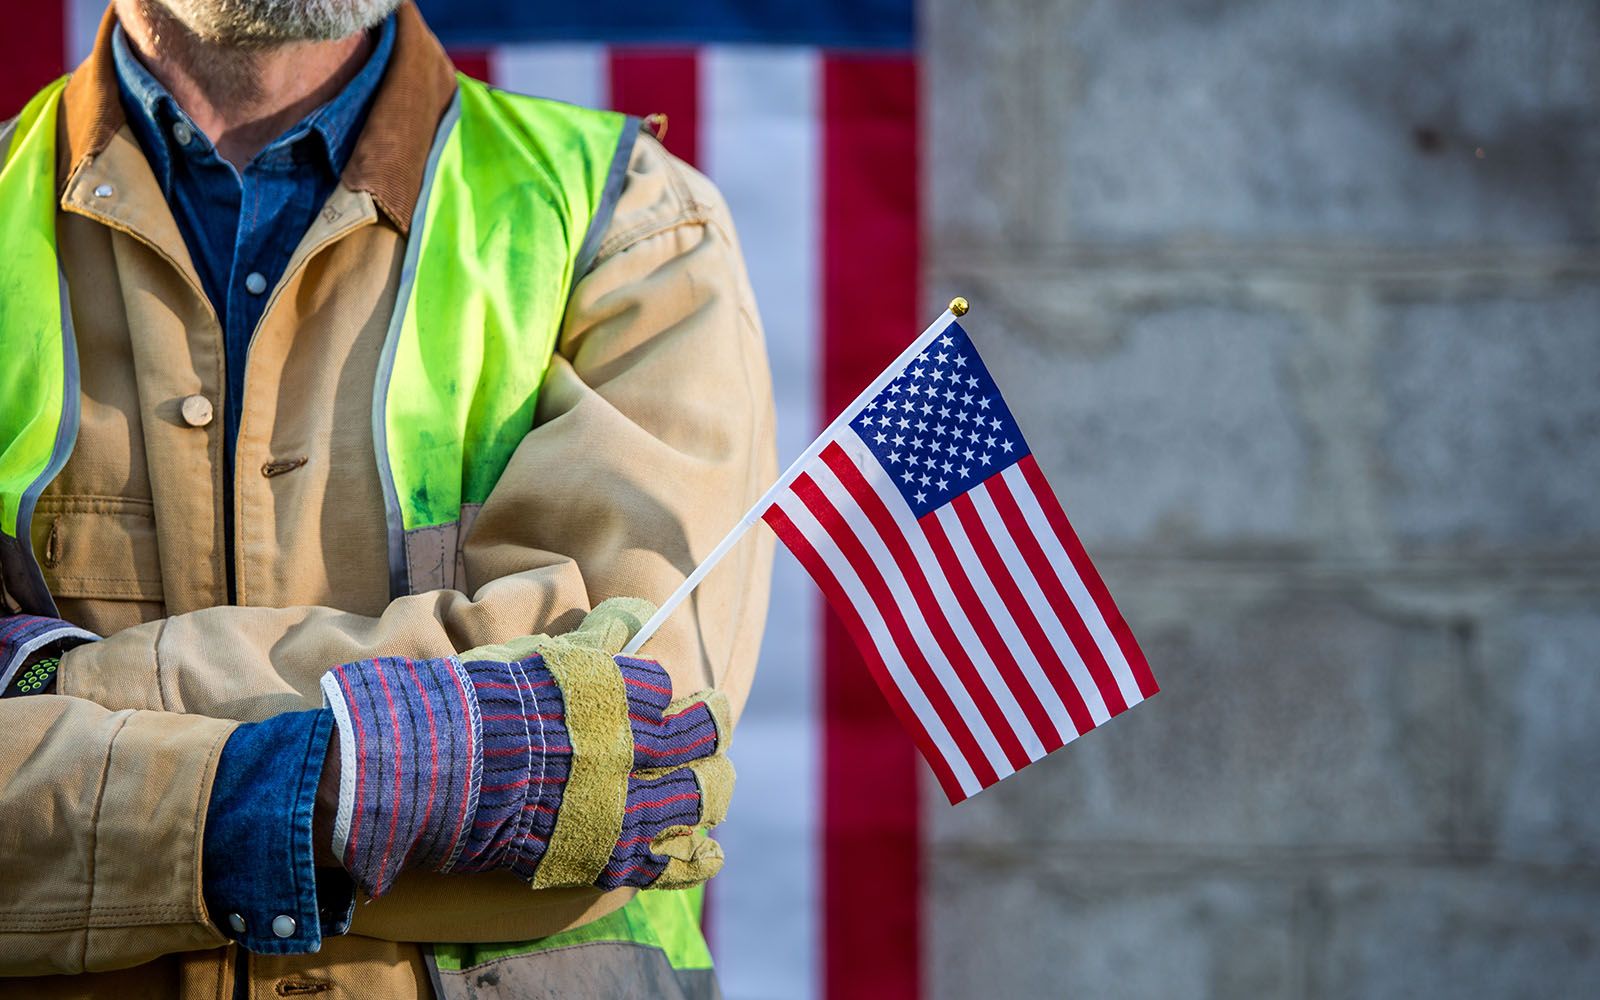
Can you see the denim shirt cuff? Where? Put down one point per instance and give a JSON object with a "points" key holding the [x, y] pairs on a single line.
{"points": [[259, 876]]}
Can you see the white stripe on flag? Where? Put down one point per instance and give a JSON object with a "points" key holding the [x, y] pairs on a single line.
{"points": [[1028, 503], [921, 633], [954, 613], [1010, 633], [82, 22], [1039, 605], [760, 117], [577, 74], [806, 523]]}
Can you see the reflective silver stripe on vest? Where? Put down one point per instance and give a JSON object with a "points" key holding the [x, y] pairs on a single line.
{"points": [[615, 178], [616, 970], [23, 579], [7, 130], [399, 577]]}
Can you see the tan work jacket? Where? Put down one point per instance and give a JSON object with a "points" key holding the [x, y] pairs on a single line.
{"points": [[654, 433]]}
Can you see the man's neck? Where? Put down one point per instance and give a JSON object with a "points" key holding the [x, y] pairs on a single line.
{"points": [[242, 98]]}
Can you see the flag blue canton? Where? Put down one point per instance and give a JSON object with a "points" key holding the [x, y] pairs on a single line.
{"points": [[941, 427], [871, 24]]}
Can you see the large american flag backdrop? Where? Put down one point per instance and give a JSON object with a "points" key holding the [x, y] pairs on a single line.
{"points": [[805, 114]]}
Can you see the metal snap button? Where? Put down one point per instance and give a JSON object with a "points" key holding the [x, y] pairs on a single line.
{"points": [[283, 925], [236, 922], [197, 411]]}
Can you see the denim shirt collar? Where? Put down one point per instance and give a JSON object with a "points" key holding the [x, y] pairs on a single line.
{"points": [[334, 127]]}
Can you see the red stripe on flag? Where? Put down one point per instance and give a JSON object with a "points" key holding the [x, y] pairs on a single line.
{"points": [[1054, 668], [1091, 576], [872, 505], [473, 62], [1045, 575], [33, 51], [872, 890], [845, 608], [989, 634], [651, 81], [844, 538]]}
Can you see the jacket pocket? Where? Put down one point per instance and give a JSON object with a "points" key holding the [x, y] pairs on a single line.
{"points": [[98, 548]]}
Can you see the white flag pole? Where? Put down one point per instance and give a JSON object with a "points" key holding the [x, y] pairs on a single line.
{"points": [[958, 308]]}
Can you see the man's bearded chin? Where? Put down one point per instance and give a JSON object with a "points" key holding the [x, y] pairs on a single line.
{"points": [[268, 23]]}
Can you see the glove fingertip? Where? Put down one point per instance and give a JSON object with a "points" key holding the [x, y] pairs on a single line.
{"points": [[692, 857], [715, 777]]}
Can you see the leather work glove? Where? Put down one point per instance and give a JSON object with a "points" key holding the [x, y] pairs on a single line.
{"points": [[550, 757]]}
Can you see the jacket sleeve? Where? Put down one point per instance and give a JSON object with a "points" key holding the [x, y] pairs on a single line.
{"points": [[101, 827], [654, 432]]}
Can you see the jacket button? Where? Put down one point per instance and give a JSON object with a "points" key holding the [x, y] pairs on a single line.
{"points": [[196, 411], [283, 925], [236, 922]]}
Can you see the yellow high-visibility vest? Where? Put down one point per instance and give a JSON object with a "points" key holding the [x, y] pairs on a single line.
{"points": [[515, 198]]}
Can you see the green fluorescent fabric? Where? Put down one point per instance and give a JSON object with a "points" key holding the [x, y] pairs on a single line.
{"points": [[33, 376], [668, 919], [512, 191]]}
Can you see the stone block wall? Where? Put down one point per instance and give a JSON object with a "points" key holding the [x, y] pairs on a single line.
{"points": [[1306, 301]]}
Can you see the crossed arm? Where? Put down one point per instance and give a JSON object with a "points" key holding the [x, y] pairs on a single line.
{"points": [[654, 433]]}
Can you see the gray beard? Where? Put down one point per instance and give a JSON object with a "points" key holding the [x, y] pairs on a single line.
{"points": [[268, 23]]}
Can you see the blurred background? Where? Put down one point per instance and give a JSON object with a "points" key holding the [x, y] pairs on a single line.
{"points": [[1299, 306]]}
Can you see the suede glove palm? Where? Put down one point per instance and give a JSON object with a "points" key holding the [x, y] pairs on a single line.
{"points": [[549, 757]]}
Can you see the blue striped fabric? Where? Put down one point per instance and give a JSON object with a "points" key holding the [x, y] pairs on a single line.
{"points": [[660, 739], [654, 805], [410, 768], [527, 756]]}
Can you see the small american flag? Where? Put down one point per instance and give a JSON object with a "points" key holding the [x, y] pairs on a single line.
{"points": [[926, 522]]}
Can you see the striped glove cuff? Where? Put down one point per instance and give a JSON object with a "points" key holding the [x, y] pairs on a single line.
{"points": [[23, 635], [411, 764], [527, 758]]}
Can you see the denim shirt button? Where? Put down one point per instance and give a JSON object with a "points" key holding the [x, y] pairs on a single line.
{"points": [[283, 925], [236, 922], [255, 283], [183, 133]]}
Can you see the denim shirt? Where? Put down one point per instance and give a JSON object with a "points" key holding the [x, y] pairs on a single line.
{"points": [[259, 879]]}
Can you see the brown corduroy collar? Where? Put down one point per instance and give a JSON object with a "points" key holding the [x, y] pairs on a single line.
{"points": [[390, 155]]}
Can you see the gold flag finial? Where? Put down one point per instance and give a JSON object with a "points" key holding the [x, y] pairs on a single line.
{"points": [[958, 307]]}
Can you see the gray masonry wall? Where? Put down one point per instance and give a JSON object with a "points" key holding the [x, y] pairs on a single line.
{"points": [[1307, 300]]}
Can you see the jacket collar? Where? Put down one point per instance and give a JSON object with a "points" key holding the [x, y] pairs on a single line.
{"points": [[389, 157]]}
